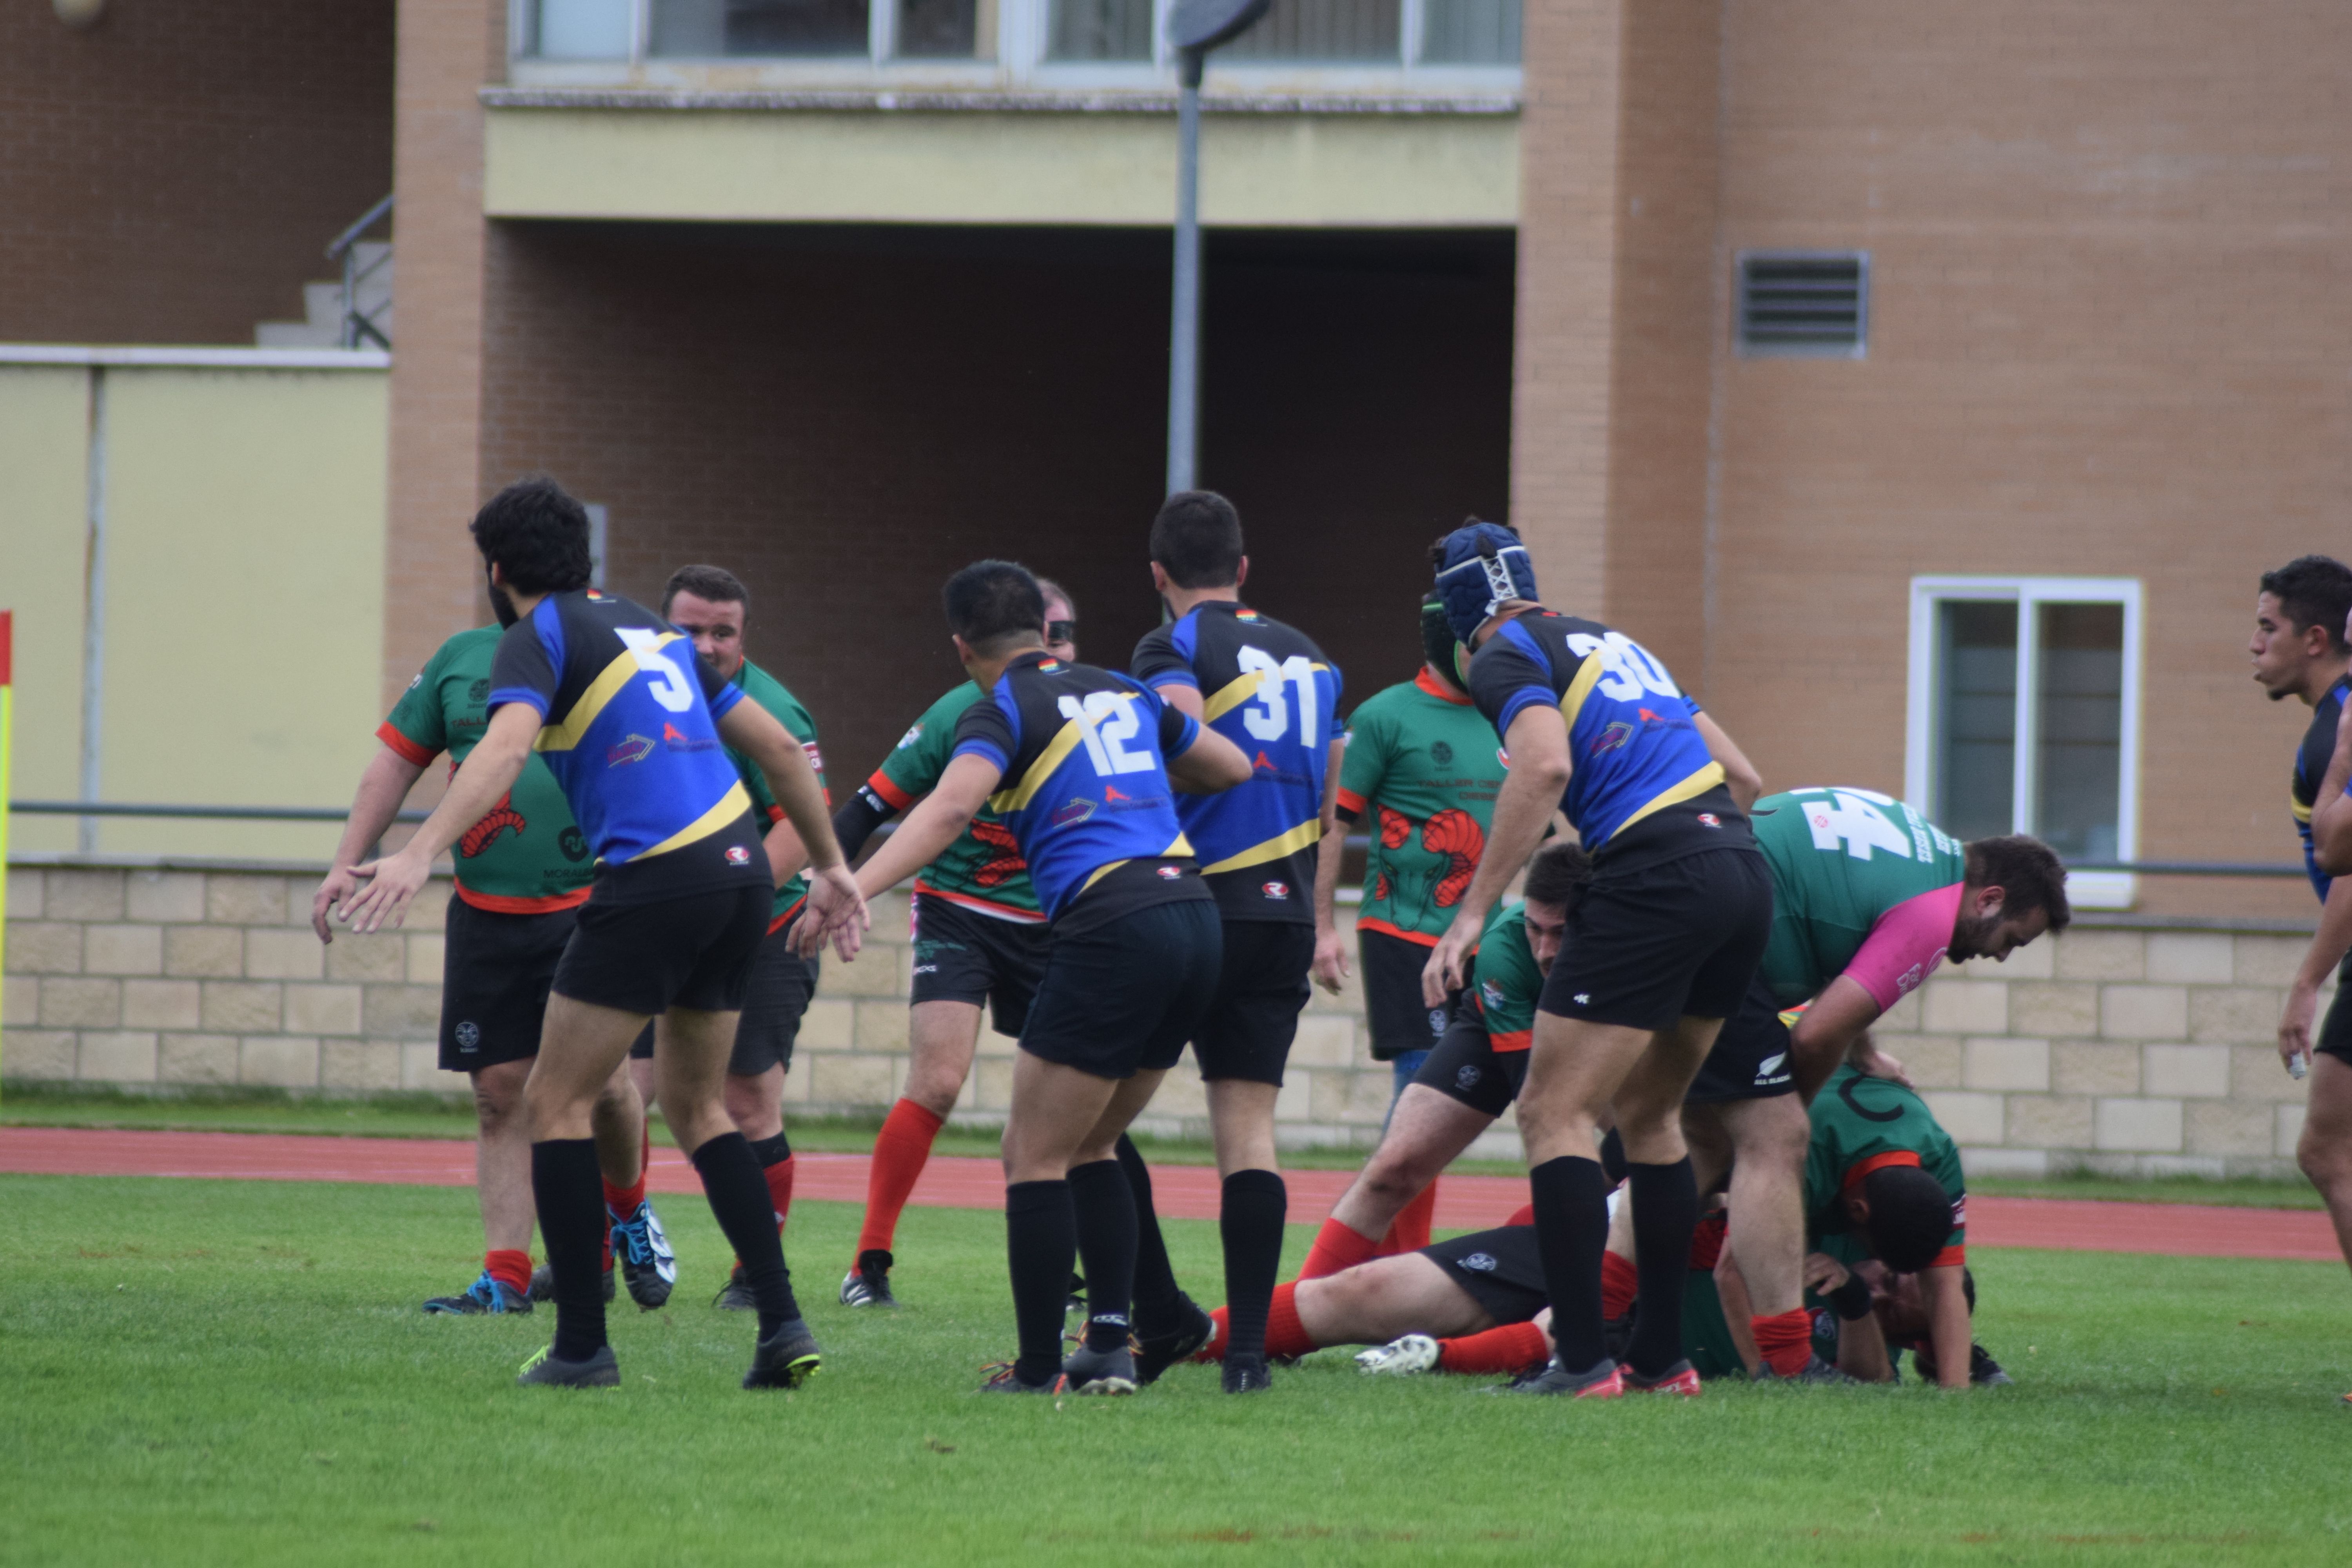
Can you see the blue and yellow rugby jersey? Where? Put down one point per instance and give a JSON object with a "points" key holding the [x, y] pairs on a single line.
{"points": [[1266, 688], [1084, 753], [2311, 760], [1638, 760], [629, 727]]}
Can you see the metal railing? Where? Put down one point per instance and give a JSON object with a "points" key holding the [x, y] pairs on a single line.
{"points": [[360, 327]]}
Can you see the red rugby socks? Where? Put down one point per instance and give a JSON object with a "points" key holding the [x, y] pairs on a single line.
{"points": [[1337, 1247], [1513, 1347], [1785, 1340], [623, 1202], [1620, 1280], [508, 1267], [1284, 1334], [900, 1152], [1409, 1232]]}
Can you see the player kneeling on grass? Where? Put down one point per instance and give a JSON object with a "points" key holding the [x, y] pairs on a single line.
{"points": [[1079, 765], [678, 907]]}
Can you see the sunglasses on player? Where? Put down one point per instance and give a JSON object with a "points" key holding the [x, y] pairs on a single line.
{"points": [[1061, 631]]}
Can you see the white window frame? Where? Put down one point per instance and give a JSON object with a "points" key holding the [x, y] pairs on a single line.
{"points": [[2087, 889]]}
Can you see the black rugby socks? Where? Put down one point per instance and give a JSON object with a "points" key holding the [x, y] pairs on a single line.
{"points": [[1665, 1213], [1249, 1222], [569, 1190], [1104, 1207], [1155, 1280], [1571, 1198], [738, 1190], [1041, 1242]]}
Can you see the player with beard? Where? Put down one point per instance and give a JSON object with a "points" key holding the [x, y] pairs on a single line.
{"points": [[630, 721], [979, 938]]}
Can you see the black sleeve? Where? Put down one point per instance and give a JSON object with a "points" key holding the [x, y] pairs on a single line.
{"points": [[985, 732], [1178, 729], [521, 671], [859, 816], [1504, 681], [1156, 659]]}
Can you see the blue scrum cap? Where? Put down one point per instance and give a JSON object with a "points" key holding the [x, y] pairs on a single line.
{"points": [[1485, 564]]}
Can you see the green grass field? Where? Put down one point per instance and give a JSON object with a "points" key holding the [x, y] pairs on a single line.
{"points": [[202, 1372]]}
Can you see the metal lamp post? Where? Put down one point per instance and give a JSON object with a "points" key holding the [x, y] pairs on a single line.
{"points": [[1194, 27]]}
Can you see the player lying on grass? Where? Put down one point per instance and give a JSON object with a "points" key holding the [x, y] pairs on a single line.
{"points": [[1901, 1319], [678, 911], [1080, 765]]}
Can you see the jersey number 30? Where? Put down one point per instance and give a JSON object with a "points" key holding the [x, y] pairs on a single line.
{"points": [[671, 688], [1107, 721]]}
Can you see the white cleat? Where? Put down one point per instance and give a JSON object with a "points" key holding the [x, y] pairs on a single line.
{"points": [[1406, 1357]]}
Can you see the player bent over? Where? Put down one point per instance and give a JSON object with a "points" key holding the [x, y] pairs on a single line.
{"points": [[523, 871], [1475, 1073], [630, 721], [710, 607], [979, 938], [1078, 763], [1266, 688], [1422, 771], [1660, 950]]}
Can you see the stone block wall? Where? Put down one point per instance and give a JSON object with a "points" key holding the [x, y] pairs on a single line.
{"points": [[2136, 1047]]}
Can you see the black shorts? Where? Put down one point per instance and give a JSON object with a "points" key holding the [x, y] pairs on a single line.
{"points": [[782, 984], [1401, 1020], [2335, 1030], [1750, 1058], [693, 951], [1501, 1268], [495, 973], [1262, 987], [1124, 996], [1466, 1066], [963, 955], [1680, 939]]}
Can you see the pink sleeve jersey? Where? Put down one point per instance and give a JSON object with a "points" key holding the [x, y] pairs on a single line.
{"points": [[1906, 944]]}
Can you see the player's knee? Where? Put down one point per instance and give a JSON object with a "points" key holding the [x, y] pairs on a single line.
{"points": [[1393, 1178], [934, 1087], [2328, 1162]]}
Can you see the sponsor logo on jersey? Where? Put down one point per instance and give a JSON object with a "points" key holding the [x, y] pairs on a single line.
{"points": [[1279, 891], [1169, 873], [1436, 1022], [1484, 1262], [1076, 811], [678, 740], [1615, 738], [910, 737], [1440, 754], [738, 856], [632, 749], [416, 681], [1768, 1071], [1467, 1078], [1908, 981], [815, 757], [1708, 819], [573, 843], [469, 1035], [478, 691], [1490, 994]]}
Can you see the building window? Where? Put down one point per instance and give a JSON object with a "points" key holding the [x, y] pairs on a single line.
{"points": [[1100, 30], [1804, 304], [1470, 32], [1326, 31], [2024, 716]]}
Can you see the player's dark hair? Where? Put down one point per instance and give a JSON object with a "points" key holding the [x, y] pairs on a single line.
{"points": [[1910, 1216], [1558, 875], [994, 605], [1197, 540], [1052, 590], [2314, 591], [1437, 545], [2027, 871], [537, 535], [716, 585]]}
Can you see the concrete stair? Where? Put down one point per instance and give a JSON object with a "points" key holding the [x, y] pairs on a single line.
{"points": [[322, 305]]}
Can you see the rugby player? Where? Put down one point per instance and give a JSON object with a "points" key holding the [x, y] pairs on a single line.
{"points": [[710, 606], [1086, 760], [523, 872], [2299, 649], [1266, 688], [979, 937], [1663, 944], [1473, 1075], [630, 723], [1422, 771], [1868, 896]]}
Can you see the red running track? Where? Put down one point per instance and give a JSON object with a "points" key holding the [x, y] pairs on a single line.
{"points": [[1183, 1192]]}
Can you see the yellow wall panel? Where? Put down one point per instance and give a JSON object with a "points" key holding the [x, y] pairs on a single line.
{"points": [[44, 535]]}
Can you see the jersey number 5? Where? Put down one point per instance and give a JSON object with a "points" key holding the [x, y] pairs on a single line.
{"points": [[671, 688], [1107, 721], [1267, 717]]}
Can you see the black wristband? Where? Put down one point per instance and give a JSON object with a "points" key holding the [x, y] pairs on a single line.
{"points": [[1850, 1300], [855, 822]]}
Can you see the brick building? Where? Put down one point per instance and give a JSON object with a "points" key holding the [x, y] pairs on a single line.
{"points": [[1926, 386]]}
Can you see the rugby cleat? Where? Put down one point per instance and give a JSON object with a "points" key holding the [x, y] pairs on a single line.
{"points": [[1680, 1378], [1605, 1381], [1248, 1374], [601, 1369], [484, 1295], [1004, 1377], [785, 1359], [1406, 1357], [735, 1295], [646, 1260], [1816, 1371], [1985, 1372], [1109, 1371], [543, 1283], [868, 1284], [1155, 1353]]}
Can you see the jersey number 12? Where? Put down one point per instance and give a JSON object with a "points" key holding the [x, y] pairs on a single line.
{"points": [[1107, 721]]}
